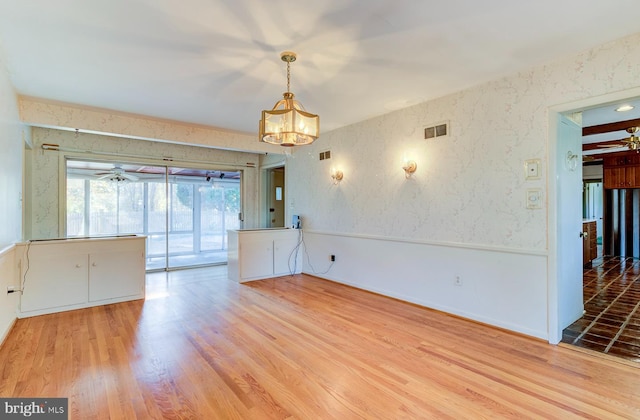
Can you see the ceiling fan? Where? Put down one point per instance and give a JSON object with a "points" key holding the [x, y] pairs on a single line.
{"points": [[633, 142], [117, 174]]}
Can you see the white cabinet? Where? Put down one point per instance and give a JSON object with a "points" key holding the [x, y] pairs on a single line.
{"points": [[255, 257], [284, 261], [263, 253], [65, 274], [110, 275], [70, 288]]}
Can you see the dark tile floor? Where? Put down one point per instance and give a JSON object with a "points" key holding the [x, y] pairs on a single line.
{"points": [[611, 323]]}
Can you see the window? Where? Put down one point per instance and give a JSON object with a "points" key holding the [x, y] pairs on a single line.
{"points": [[184, 212]]}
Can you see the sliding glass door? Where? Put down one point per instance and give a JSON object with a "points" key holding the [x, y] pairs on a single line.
{"points": [[184, 212], [200, 212]]}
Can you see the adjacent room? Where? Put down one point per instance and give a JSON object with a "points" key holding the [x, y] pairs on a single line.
{"points": [[447, 228], [611, 232]]}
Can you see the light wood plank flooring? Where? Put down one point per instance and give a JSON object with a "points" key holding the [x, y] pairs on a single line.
{"points": [[203, 347]]}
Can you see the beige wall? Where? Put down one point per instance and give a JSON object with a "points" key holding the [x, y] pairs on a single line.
{"points": [[470, 187], [11, 146], [463, 213]]}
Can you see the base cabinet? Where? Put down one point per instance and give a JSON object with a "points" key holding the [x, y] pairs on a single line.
{"points": [[284, 261], [255, 257], [589, 245], [263, 253], [67, 274], [70, 286]]}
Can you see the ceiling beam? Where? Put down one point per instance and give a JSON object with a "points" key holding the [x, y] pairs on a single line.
{"points": [[607, 128], [601, 145]]}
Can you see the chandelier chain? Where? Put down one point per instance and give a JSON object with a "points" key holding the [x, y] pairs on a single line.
{"points": [[288, 76]]}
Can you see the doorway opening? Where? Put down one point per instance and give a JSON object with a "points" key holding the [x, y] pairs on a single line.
{"points": [[593, 207], [183, 212], [275, 197], [611, 199]]}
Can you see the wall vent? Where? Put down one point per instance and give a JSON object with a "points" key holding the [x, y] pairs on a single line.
{"points": [[438, 130], [325, 155]]}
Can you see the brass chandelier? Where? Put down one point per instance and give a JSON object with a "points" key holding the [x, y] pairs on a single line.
{"points": [[288, 124]]}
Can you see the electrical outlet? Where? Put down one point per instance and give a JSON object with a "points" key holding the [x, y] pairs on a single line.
{"points": [[332, 257], [457, 281], [11, 289]]}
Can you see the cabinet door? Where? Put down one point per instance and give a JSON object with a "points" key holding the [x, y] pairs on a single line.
{"points": [[52, 281], [586, 249], [632, 176], [116, 274], [593, 239], [256, 258], [614, 178], [284, 257]]}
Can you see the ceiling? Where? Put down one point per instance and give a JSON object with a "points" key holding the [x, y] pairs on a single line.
{"points": [[217, 62], [600, 135]]}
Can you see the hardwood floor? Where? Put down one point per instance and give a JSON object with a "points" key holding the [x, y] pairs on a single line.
{"points": [[203, 347], [611, 323]]}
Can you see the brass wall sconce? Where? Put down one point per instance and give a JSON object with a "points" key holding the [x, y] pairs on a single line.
{"points": [[571, 161], [336, 176], [409, 167]]}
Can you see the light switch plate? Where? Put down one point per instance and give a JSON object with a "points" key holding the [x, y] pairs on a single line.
{"points": [[532, 169], [534, 198]]}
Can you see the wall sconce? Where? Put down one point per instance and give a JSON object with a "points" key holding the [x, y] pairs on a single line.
{"points": [[409, 167], [571, 161], [336, 175]]}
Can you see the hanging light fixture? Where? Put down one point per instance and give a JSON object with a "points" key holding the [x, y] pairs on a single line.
{"points": [[288, 124], [633, 142]]}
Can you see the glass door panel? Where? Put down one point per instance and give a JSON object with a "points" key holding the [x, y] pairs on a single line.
{"points": [[156, 224], [184, 212], [77, 215], [181, 227], [201, 203], [219, 209]]}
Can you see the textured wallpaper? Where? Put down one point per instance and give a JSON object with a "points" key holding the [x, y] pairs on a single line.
{"points": [[48, 114], [44, 177], [11, 165], [12, 145], [470, 186]]}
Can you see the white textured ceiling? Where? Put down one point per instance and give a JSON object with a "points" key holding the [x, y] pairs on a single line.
{"points": [[216, 62]]}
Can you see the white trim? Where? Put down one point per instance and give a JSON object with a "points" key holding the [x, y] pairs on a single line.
{"points": [[442, 308], [7, 249], [479, 247], [58, 309], [8, 315], [62, 196], [279, 164], [425, 274], [552, 228], [6, 333]]}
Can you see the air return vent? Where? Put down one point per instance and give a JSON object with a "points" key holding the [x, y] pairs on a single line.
{"points": [[325, 155], [438, 130]]}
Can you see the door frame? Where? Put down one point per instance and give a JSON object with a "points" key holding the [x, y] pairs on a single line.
{"points": [[263, 219], [270, 192], [553, 297]]}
